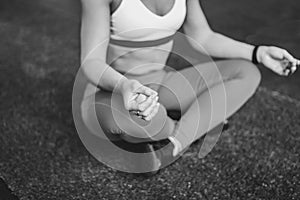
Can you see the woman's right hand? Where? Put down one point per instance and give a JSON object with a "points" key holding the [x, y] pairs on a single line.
{"points": [[139, 99]]}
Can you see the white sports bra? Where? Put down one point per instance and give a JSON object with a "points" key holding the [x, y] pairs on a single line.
{"points": [[133, 23]]}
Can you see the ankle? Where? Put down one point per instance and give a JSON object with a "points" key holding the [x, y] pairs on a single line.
{"points": [[177, 146]]}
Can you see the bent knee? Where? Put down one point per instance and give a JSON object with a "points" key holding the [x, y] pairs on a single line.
{"points": [[148, 129], [249, 73], [130, 127]]}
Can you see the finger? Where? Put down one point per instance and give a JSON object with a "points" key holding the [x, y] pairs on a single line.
{"points": [[297, 64], [289, 57], [140, 98], [132, 106], [135, 100], [294, 68], [144, 105], [153, 113], [278, 69], [155, 110], [147, 91], [149, 109], [287, 72], [289, 67], [135, 112]]}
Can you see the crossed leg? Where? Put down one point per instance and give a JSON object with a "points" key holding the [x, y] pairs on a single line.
{"points": [[207, 94]]}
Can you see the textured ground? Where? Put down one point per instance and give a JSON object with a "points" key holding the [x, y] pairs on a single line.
{"points": [[41, 156]]}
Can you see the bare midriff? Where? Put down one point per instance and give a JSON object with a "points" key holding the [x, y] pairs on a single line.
{"points": [[138, 60]]}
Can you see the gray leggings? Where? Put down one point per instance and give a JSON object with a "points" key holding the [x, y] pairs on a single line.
{"points": [[205, 94]]}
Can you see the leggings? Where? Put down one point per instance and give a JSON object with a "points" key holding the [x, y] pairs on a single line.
{"points": [[205, 95]]}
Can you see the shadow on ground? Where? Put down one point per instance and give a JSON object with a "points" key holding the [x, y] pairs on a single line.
{"points": [[42, 157]]}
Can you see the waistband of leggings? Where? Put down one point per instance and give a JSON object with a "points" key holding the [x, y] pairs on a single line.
{"points": [[141, 44]]}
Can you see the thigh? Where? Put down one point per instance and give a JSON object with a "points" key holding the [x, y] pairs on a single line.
{"points": [[180, 88]]}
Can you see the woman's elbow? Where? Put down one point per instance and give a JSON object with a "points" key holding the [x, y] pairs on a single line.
{"points": [[200, 39]]}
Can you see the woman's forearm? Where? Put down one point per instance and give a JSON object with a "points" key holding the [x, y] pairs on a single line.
{"points": [[218, 45], [103, 76]]}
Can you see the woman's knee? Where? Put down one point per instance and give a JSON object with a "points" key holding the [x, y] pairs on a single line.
{"points": [[129, 126], [249, 73], [148, 130]]}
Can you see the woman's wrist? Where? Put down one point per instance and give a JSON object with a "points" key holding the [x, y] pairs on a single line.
{"points": [[121, 85], [257, 54], [254, 55]]}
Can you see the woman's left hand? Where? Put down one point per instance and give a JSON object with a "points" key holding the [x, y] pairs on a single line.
{"points": [[277, 59]]}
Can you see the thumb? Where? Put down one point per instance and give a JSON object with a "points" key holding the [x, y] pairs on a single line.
{"points": [[129, 102], [277, 55], [126, 102]]}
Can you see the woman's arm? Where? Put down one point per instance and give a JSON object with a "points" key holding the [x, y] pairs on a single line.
{"points": [[95, 30], [205, 40], [95, 34]]}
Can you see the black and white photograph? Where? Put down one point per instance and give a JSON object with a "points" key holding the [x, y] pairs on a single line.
{"points": [[149, 99]]}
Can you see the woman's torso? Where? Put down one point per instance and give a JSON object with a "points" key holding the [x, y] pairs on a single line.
{"points": [[149, 17]]}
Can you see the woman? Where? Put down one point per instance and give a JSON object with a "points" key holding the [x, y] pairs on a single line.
{"points": [[124, 47]]}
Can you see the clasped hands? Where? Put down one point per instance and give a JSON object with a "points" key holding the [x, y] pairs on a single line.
{"points": [[139, 99]]}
